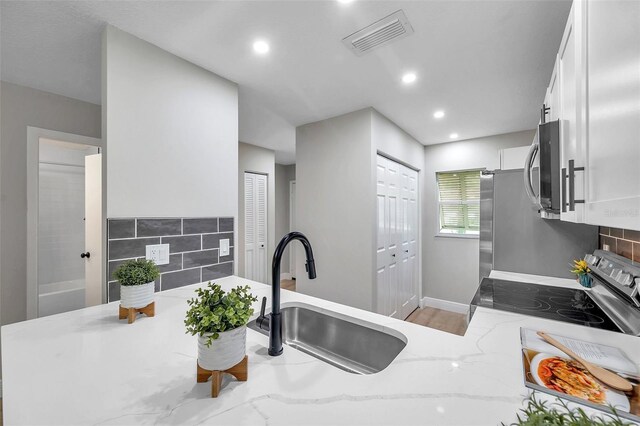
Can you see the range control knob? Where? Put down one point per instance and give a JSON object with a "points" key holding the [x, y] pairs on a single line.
{"points": [[625, 279], [591, 259]]}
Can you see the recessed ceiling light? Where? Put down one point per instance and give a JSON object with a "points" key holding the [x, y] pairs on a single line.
{"points": [[409, 78], [345, 1], [261, 47], [453, 135], [438, 114]]}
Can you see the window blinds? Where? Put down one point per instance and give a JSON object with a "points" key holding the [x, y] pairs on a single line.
{"points": [[459, 196]]}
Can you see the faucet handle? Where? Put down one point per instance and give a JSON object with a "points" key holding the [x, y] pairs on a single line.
{"points": [[263, 307]]}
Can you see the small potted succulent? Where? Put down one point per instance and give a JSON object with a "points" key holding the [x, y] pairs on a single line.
{"points": [[137, 282], [581, 269], [219, 319]]}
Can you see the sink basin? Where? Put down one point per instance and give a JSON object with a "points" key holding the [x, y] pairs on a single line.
{"points": [[353, 345]]}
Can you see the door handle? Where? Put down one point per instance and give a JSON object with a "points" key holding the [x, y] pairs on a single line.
{"points": [[87, 255], [528, 166], [572, 185]]}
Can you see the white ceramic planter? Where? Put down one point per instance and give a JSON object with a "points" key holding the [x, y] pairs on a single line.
{"points": [[225, 352], [136, 296]]}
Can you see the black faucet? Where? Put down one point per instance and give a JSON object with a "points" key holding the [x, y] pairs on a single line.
{"points": [[273, 323]]}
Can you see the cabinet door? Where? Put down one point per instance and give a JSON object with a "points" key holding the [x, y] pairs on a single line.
{"points": [[613, 114], [569, 76], [553, 96]]}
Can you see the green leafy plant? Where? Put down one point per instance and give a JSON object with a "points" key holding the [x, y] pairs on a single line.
{"points": [[136, 272], [538, 413], [214, 311]]}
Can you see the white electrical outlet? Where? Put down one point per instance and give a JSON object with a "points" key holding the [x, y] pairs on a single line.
{"points": [[159, 253], [224, 247]]}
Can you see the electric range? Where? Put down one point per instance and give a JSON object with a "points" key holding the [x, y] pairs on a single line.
{"points": [[612, 303]]}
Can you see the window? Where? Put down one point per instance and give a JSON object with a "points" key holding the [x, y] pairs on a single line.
{"points": [[459, 202]]}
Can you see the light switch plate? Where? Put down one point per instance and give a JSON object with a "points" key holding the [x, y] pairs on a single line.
{"points": [[159, 253], [224, 247]]}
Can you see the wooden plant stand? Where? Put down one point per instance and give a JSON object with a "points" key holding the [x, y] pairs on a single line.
{"points": [[130, 313], [240, 371]]}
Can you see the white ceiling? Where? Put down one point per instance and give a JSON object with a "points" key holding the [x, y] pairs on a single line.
{"points": [[486, 63]]}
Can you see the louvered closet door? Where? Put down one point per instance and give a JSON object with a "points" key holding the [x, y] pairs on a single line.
{"points": [[255, 226], [397, 239]]}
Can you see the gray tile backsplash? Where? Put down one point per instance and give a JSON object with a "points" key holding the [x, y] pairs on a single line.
{"points": [[181, 244], [226, 224], [127, 249], [193, 246], [158, 227], [210, 241], [122, 228], [200, 226], [217, 271]]}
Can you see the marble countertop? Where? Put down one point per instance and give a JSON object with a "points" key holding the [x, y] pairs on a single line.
{"points": [[86, 367]]}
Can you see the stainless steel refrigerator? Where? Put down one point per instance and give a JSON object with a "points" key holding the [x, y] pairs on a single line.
{"points": [[513, 236]]}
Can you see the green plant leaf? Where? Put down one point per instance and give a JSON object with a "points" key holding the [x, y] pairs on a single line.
{"points": [[213, 310]]}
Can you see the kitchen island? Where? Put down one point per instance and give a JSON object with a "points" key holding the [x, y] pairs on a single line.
{"points": [[87, 367]]}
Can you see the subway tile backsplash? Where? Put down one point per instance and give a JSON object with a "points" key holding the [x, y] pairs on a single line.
{"points": [[193, 246], [624, 242]]}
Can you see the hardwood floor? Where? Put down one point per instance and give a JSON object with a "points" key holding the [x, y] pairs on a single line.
{"points": [[439, 319], [288, 285]]}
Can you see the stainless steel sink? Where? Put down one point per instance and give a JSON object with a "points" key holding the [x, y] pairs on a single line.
{"points": [[348, 343]]}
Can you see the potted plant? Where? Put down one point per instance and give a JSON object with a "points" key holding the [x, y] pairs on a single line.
{"points": [[581, 269], [137, 282], [219, 319]]}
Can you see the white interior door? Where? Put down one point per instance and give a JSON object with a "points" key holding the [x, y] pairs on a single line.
{"points": [[408, 220], [93, 228], [397, 236], [255, 226], [292, 227], [387, 242]]}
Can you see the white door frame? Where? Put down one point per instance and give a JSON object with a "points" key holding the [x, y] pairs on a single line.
{"points": [[374, 301], [34, 134]]}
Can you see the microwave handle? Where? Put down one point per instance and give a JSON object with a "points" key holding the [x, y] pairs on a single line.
{"points": [[528, 166]]}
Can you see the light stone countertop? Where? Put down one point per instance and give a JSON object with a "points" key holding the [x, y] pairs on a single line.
{"points": [[86, 367]]}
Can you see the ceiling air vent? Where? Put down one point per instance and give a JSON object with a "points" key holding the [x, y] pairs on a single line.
{"points": [[392, 27]]}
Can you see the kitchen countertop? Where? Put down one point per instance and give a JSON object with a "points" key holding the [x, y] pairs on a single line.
{"points": [[86, 367]]}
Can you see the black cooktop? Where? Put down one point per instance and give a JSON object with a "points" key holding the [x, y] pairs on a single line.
{"points": [[555, 303]]}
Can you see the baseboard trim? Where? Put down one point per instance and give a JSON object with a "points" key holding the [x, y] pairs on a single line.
{"points": [[459, 308], [285, 276]]}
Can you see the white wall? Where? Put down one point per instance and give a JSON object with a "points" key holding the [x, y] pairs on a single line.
{"points": [[255, 159], [335, 207], [21, 107], [284, 175], [335, 179], [450, 265], [172, 132]]}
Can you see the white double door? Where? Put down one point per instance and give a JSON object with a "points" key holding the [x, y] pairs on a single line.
{"points": [[397, 239], [255, 227]]}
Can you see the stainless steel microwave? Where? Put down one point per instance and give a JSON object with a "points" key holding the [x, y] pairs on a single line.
{"points": [[546, 145]]}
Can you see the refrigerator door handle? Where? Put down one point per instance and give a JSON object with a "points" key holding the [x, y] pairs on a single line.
{"points": [[528, 166]]}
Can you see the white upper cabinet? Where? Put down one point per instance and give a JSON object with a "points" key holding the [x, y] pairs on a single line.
{"points": [[595, 93], [552, 98], [569, 65], [613, 114]]}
